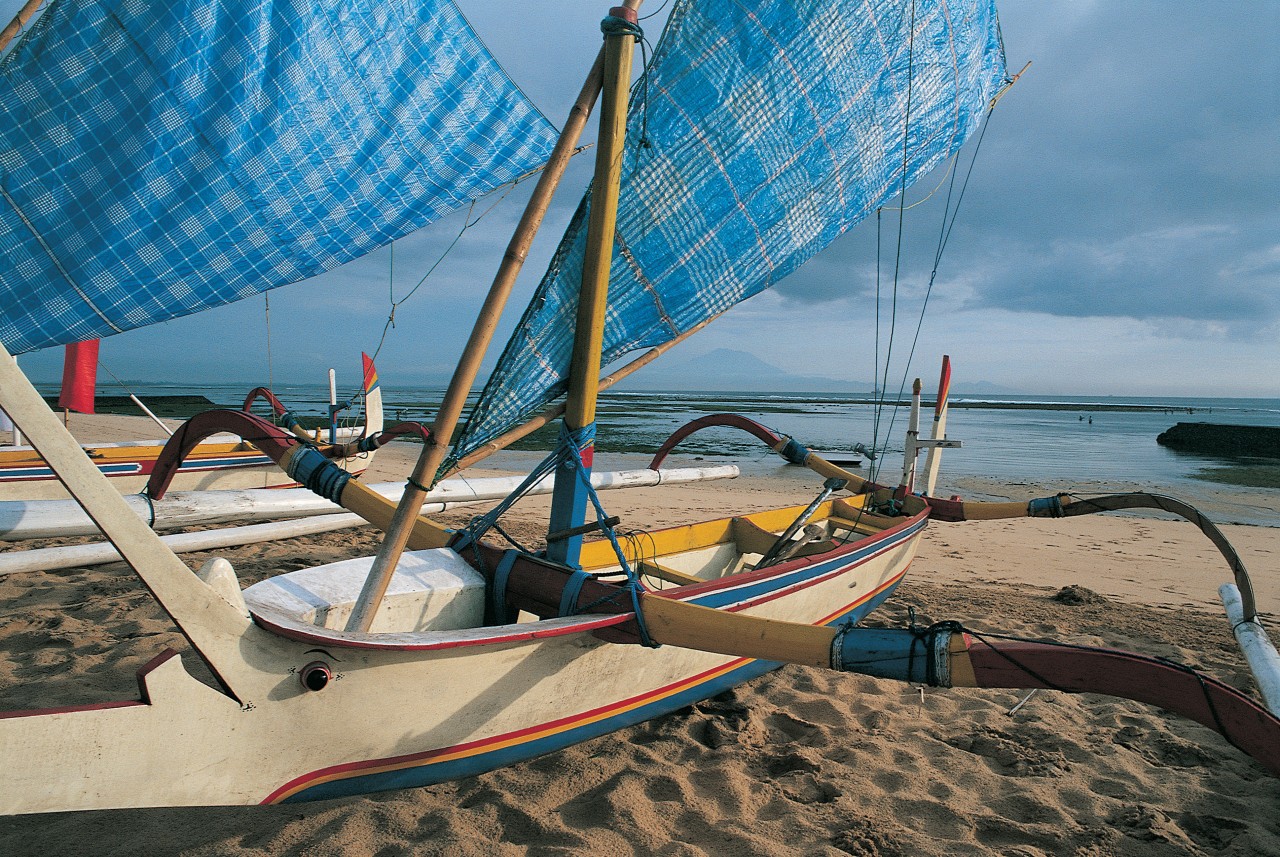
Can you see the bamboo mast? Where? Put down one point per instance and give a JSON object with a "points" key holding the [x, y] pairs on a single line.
{"points": [[25, 14], [569, 499], [433, 453]]}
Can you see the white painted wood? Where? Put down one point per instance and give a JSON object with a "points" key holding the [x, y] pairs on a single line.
{"points": [[911, 448], [1264, 661], [81, 556], [933, 460], [212, 625], [431, 590], [44, 519], [219, 576], [479, 687]]}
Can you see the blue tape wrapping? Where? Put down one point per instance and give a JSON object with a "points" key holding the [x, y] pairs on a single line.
{"points": [[318, 473], [1045, 507], [795, 451]]}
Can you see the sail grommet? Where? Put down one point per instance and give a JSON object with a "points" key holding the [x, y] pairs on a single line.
{"points": [[315, 676]]}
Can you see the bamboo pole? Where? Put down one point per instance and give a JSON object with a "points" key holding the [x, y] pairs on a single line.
{"points": [[433, 453], [569, 502], [584, 366], [25, 14]]}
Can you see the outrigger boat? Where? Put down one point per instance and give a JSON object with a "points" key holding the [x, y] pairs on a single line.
{"points": [[462, 655], [221, 463]]}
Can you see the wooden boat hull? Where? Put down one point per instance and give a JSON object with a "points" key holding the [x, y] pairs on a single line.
{"points": [[431, 706]]}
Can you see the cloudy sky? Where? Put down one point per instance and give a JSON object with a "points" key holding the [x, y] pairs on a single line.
{"points": [[1120, 234]]}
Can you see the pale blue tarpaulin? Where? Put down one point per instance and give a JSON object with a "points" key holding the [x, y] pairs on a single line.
{"points": [[159, 158], [770, 128]]}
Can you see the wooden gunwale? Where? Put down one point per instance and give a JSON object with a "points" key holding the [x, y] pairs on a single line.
{"points": [[732, 593]]}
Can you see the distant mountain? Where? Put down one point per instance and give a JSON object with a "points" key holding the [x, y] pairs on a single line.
{"points": [[732, 370], [728, 369]]}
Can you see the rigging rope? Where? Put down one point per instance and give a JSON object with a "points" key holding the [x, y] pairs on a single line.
{"points": [[897, 264], [949, 216], [466, 224]]}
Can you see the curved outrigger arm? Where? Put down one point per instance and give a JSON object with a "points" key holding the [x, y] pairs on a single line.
{"points": [[786, 446], [285, 416], [1058, 506], [947, 655], [1067, 506], [310, 466]]}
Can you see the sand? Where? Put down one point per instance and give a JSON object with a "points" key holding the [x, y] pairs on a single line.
{"points": [[798, 762]]}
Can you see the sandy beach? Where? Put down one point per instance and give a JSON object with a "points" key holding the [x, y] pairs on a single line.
{"points": [[798, 762]]}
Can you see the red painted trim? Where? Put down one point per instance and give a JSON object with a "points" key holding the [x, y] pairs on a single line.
{"points": [[944, 388], [100, 706], [596, 622], [1076, 669], [69, 709], [147, 668]]}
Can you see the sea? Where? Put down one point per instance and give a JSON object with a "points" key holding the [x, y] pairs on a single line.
{"points": [[1037, 440]]}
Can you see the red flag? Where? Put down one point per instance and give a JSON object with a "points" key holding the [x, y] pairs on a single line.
{"points": [[79, 376]]}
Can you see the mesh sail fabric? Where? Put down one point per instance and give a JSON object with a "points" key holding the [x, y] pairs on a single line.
{"points": [[770, 129], [160, 158]]}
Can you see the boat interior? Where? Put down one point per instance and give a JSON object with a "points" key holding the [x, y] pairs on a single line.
{"points": [[439, 590]]}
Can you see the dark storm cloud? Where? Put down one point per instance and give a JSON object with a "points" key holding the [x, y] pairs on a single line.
{"points": [[1132, 172]]}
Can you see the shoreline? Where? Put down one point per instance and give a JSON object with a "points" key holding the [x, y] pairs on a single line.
{"points": [[800, 761]]}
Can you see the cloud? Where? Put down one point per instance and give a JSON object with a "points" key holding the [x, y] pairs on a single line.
{"points": [[1208, 272]]}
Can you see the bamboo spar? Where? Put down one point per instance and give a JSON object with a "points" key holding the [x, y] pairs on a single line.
{"points": [[25, 14], [433, 453], [568, 503]]}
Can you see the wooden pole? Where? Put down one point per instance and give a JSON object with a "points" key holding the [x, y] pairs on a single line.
{"points": [[933, 460], [568, 503], [25, 14], [433, 453]]}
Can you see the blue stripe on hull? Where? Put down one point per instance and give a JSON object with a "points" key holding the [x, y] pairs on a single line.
{"points": [[430, 773], [19, 474]]}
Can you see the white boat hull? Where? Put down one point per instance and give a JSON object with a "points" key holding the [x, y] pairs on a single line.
{"points": [[407, 709]]}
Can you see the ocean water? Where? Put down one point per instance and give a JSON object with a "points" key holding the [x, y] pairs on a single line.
{"points": [[1026, 439]]}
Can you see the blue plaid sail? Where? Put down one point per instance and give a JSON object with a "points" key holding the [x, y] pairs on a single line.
{"points": [[160, 158], [765, 130]]}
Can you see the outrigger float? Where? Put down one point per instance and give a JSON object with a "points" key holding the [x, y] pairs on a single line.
{"points": [[448, 654]]}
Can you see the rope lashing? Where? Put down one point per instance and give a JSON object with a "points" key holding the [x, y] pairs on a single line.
{"points": [[614, 25], [573, 444], [794, 451]]}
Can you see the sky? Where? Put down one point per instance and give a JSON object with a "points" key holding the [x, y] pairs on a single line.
{"points": [[1120, 233]]}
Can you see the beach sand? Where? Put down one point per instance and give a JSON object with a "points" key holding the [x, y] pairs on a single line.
{"points": [[800, 761]]}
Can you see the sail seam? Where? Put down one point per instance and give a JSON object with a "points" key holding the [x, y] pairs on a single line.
{"points": [[57, 263], [634, 264]]}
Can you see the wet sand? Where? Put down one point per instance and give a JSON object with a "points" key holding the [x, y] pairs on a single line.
{"points": [[798, 762]]}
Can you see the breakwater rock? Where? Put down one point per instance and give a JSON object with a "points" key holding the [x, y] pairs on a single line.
{"points": [[1226, 440]]}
